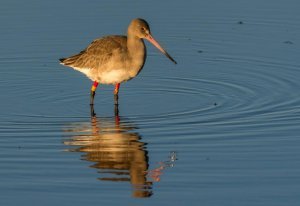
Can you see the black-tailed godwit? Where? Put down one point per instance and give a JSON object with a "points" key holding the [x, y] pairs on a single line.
{"points": [[115, 59]]}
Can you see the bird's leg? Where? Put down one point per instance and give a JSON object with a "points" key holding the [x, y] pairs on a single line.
{"points": [[117, 118], [93, 92], [116, 98], [117, 87], [93, 114], [116, 93]]}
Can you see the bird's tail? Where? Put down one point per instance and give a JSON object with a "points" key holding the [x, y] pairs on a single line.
{"points": [[69, 61], [62, 60]]}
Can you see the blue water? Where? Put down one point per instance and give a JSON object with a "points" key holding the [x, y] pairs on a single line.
{"points": [[219, 128]]}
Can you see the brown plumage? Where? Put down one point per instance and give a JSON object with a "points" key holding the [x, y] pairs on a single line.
{"points": [[115, 59]]}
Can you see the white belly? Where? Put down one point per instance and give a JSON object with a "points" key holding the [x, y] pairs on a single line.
{"points": [[114, 76]]}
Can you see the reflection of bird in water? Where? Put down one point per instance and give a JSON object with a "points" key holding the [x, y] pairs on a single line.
{"points": [[116, 150]]}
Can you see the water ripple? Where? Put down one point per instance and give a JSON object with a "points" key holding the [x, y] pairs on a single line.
{"points": [[263, 96]]}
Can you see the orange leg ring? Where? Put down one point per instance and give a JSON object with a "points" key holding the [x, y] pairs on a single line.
{"points": [[117, 87], [94, 87]]}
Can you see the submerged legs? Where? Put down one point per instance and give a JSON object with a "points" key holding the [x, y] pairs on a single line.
{"points": [[93, 92], [116, 97]]}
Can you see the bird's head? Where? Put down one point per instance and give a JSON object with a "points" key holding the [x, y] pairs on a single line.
{"points": [[140, 28]]}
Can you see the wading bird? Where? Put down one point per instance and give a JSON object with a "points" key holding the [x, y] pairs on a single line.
{"points": [[115, 59]]}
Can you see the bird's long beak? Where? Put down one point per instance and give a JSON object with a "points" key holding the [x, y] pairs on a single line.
{"points": [[150, 38]]}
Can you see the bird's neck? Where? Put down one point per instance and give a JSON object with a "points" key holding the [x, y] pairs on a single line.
{"points": [[135, 44], [136, 49]]}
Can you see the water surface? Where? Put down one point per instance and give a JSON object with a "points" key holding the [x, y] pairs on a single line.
{"points": [[219, 128]]}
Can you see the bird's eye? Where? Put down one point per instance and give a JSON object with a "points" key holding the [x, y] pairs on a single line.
{"points": [[143, 29]]}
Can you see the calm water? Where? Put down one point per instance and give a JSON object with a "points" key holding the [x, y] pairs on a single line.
{"points": [[219, 128]]}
